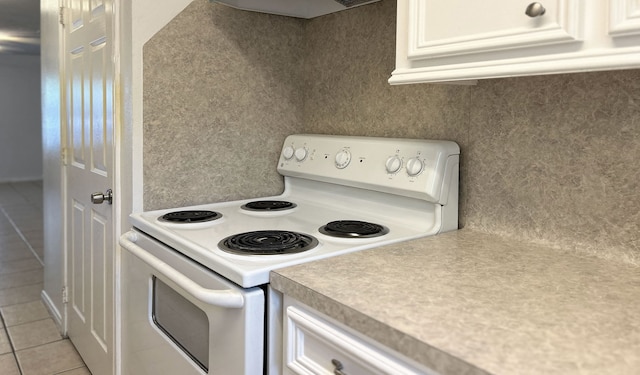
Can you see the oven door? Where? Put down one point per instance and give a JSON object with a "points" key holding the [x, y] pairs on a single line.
{"points": [[181, 318]]}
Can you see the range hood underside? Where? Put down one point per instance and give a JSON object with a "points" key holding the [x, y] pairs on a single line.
{"points": [[295, 8]]}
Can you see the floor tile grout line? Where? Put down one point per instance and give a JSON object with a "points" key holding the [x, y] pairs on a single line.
{"points": [[35, 254], [25, 197], [83, 365], [38, 346], [13, 349], [21, 271], [71, 369], [21, 324], [18, 286]]}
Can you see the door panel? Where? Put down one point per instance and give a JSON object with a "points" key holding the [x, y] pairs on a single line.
{"points": [[99, 122], [89, 67], [100, 251], [97, 7], [78, 257], [76, 106], [77, 19]]}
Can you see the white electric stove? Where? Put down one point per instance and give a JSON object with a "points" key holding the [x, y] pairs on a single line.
{"points": [[342, 194]]}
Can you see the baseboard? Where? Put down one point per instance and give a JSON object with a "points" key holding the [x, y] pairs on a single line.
{"points": [[53, 311]]}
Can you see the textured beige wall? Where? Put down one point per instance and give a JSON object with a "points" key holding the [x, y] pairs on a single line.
{"points": [[549, 159], [221, 92], [349, 56], [555, 159]]}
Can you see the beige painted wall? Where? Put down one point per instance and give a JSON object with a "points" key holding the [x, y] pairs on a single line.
{"points": [[54, 253], [20, 122], [549, 159]]}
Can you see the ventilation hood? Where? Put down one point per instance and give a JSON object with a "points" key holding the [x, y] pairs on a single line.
{"points": [[295, 8]]}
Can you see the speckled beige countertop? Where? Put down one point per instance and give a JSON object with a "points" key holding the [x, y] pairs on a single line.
{"points": [[467, 302]]}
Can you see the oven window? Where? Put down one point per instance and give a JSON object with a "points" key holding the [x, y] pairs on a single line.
{"points": [[182, 321]]}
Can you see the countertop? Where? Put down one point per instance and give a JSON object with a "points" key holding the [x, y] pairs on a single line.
{"points": [[467, 302]]}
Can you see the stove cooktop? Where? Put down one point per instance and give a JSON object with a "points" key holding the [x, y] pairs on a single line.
{"points": [[342, 194], [201, 240]]}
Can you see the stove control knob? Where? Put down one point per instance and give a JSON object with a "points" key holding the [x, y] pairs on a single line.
{"points": [[393, 164], [414, 166], [343, 158], [287, 153], [301, 153]]}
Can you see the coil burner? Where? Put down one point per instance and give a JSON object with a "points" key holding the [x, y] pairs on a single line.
{"points": [[268, 206], [189, 217], [353, 229], [268, 242]]}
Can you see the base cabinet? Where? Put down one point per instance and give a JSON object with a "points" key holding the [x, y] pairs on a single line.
{"points": [[315, 344], [458, 40]]}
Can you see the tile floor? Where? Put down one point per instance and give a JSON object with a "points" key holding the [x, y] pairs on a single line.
{"points": [[30, 343]]}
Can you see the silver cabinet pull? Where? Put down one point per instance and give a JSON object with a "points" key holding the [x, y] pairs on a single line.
{"points": [[535, 10], [338, 367], [98, 198]]}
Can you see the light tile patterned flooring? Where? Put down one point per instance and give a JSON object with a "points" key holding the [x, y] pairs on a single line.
{"points": [[30, 343]]}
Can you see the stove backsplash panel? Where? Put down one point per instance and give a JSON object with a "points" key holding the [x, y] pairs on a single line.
{"points": [[550, 159]]}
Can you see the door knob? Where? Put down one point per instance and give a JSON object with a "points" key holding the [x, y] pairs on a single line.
{"points": [[535, 10], [98, 198]]}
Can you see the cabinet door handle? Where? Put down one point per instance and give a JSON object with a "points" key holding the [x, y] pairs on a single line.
{"points": [[535, 10], [337, 367]]}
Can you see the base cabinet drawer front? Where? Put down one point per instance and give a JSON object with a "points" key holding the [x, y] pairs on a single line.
{"points": [[312, 345], [457, 40]]}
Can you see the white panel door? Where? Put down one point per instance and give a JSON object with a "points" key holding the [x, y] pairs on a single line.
{"points": [[89, 160]]}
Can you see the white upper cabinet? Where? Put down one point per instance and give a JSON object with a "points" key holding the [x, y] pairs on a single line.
{"points": [[462, 26], [461, 40]]}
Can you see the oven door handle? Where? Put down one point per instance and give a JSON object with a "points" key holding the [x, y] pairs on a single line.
{"points": [[223, 298]]}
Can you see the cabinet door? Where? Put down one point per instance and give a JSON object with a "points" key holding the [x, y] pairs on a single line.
{"points": [[439, 28], [624, 18], [461, 41]]}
